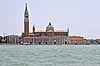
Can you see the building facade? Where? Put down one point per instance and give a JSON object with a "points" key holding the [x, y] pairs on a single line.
{"points": [[0, 39], [13, 39], [98, 41], [49, 37], [76, 40]]}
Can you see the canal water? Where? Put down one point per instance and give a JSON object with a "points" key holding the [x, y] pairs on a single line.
{"points": [[50, 55]]}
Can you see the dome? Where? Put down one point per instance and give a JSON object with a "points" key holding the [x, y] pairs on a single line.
{"points": [[49, 28]]}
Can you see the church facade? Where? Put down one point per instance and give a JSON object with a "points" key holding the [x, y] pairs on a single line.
{"points": [[49, 37]]}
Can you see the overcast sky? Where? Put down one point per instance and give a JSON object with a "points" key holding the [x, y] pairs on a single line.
{"points": [[81, 16]]}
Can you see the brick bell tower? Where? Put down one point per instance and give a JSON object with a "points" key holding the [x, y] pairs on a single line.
{"points": [[26, 22]]}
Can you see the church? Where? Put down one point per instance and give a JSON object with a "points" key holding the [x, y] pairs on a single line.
{"points": [[49, 37]]}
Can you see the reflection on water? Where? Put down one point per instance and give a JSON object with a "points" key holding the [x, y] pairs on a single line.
{"points": [[50, 55]]}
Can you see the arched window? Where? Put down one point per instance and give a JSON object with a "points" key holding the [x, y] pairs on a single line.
{"points": [[65, 42], [45, 42], [39, 43], [54, 42]]}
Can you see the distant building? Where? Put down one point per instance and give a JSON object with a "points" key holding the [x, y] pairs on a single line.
{"points": [[78, 40], [50, 36], [98, 41], [92, 41], [13, 39], [0, 39], [4, 40]]}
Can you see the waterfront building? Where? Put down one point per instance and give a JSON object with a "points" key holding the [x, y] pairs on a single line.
{"points": [[78, 40], [49, 37], [93, 41], [4, 40], [0, 39], [98, 41], [13, 39]]}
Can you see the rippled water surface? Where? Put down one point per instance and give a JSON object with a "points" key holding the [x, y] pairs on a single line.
{"points": [[47, 55]]}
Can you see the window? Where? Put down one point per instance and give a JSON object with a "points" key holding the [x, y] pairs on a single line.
{"points": [[39, 43], [45, 42], [54, 42], [65, 42]]}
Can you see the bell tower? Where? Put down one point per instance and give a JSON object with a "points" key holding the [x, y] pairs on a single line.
{"points": [[26, 21]]}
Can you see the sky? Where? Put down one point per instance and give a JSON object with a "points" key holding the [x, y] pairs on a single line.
{"points": [[81, 16]]}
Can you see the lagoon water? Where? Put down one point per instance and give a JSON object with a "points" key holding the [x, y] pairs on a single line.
{"points": [[50, 55]]}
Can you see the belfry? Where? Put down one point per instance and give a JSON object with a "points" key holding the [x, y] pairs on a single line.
{"points": [[26, 21]]}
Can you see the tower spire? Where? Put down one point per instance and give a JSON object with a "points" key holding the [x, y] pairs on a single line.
{"points": [[26, 21], [26, 14]]}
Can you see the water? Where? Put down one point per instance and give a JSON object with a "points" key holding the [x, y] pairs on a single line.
{"points": [[47, 55]]}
